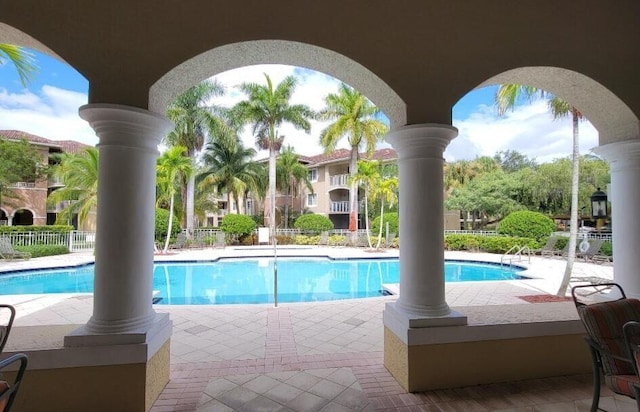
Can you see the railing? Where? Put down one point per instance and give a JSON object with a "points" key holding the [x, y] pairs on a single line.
{"points": [[338, 180], [55, 182], [75, 240], [516, 254], [339, 207], [22, 185], [59, 206], [472, 232]]}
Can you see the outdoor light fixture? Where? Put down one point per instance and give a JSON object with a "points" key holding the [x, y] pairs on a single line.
{"points": [[599, 204]]}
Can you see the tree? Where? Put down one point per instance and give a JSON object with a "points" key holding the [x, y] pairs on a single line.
{"points": [[170, 166], [23, 61], [368, 176], [266, 109], [387, 191], [512, 160], [230, 169], [290, 175], [195, 121], [19, 162], [506, 97], [354, 118], [79, 174]]}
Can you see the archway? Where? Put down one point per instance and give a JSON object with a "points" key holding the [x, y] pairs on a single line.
{"points": [[3, 218], [23, 217]]}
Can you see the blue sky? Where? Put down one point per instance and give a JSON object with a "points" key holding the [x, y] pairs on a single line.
{"points": [[48, 107]]}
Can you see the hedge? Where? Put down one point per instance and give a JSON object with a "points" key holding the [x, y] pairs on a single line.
{"points": [[43, 250], [313, 223], [39, 228], [526, 223], [490, 244], [391, 217]]}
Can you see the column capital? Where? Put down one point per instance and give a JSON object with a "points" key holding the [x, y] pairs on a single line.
{"points": [[421, 140], [621, 155], [125, 125]]}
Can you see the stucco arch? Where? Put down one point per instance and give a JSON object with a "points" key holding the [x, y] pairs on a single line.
{"points": [[11, 35], [613, 119], [250, 53]]}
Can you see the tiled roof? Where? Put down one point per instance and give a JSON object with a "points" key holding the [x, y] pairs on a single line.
{"points": [[68, 146], [345, 154]]}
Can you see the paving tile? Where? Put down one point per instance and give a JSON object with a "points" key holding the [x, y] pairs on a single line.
{"points": [[307, 402], [283, 393], [326, 389], [261, 384], [217, 387], [237, 398], [261, 404], [303, 380], [335, 407], [213, 406], [352, 399]]}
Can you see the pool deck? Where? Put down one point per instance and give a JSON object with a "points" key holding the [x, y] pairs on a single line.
{"points": [[324, 356]]}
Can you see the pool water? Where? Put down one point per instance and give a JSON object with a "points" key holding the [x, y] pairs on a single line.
{"points": [[251, 280]]}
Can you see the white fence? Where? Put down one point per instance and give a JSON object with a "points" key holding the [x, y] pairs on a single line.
{"points": [[75, 240]]}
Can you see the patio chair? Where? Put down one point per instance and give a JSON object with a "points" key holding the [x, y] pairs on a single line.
{"points": [[604, 309], [548, 249], [631, 332], [180, 243], [8, 315], [220, 240], [594, 248], [7, 251], [9, 390]]}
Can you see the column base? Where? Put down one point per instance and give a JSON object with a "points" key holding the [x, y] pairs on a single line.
{"points": [[154, 336], [396, 319]]}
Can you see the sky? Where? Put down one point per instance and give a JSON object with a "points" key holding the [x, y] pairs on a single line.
{"points": [[48, 107]]}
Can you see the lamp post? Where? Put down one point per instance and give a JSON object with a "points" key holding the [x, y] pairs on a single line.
{"points": [[599, 207]]}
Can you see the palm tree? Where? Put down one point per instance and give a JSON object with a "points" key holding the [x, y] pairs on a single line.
{"points": [[291, 174], [230, 169], [506, 98], [267, 108], [79, 174], [368, 177], [387, 191], [354, 117], [23, 61], [196, 121], [170, 166]]}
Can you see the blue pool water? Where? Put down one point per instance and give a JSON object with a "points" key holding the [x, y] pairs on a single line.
{"points": [[251, 280]]}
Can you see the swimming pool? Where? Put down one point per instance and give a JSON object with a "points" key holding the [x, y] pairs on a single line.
{"points": [[251, 280]]}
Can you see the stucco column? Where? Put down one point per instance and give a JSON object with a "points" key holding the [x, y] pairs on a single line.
{"points": [[624, 159], [420, 165], [128, 141]]}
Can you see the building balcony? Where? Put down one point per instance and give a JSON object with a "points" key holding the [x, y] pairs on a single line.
{"points": [[57, 208], [23, 185], [339, 180], [55, 182], [339, 207]]}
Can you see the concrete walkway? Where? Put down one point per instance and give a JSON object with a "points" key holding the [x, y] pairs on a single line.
{"points": [[327, 356]]}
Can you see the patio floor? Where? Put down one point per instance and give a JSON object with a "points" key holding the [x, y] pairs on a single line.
{"points": [[327, 356]]}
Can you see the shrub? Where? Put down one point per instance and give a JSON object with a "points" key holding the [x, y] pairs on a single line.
{"points": [[607, 249], [391, 217], [43, 250], [43, 228], [162, 223], [335, 240], [313, 223], [525, 223], [491, 244], [240, 225]]}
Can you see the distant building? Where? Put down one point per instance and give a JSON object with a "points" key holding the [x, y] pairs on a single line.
{"points": [[29, 207]]}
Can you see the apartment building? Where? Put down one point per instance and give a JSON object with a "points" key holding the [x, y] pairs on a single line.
{"points": [[28, 205]]}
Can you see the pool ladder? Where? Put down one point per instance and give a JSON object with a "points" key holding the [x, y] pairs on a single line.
{"points": [[516, 254]]}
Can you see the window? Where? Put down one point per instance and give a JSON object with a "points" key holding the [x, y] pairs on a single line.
{"points": [[312, 199], [313, 175]]}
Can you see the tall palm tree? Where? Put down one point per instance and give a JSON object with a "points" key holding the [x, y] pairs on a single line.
{"points": [[507, 97], [290, 175], [79, 174], [387, 191], [266, 109], [368, 177], [354, 118], [230, 169], [170, 166], [196, 121], [22, 59]]}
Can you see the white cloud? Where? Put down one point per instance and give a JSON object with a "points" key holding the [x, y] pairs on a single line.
{"points": [[52, 113], [529, 129]]}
